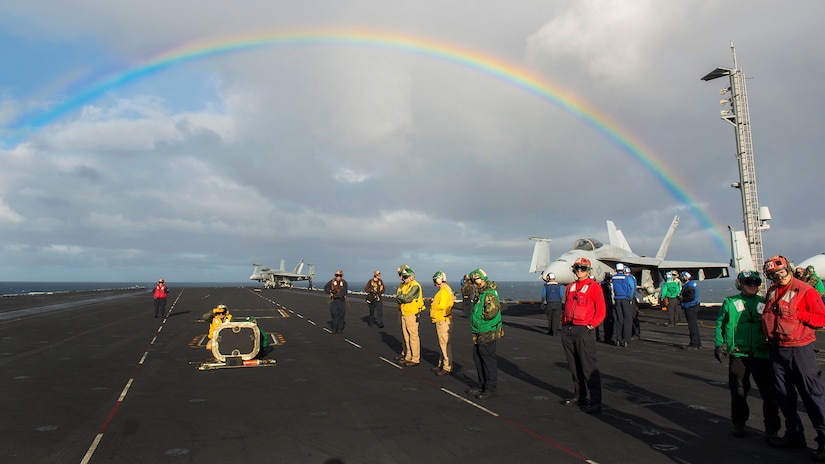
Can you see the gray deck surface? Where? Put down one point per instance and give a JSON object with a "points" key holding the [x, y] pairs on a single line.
{"points": [[100, 380]]}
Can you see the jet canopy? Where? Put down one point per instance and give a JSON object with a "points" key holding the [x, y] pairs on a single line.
{"points": [[587, 244]]}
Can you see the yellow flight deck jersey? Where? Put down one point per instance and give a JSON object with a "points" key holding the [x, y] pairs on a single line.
{"points": [[442, 306], [410, 298]]}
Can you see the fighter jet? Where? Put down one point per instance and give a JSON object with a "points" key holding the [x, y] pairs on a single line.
{"points": [[281, 278], [649, 271]]}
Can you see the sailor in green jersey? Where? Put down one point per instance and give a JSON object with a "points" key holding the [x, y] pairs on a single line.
{"points": [[739, 328]]}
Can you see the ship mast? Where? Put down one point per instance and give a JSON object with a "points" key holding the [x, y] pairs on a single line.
{"points": [[735, 101]]}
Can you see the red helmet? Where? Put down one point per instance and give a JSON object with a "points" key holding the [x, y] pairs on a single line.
{"points": [[582, 261], [776, 263]]}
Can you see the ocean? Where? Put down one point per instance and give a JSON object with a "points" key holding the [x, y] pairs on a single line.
{"points": [[710, 291]]}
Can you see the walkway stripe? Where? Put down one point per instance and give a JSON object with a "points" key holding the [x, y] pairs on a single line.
{"points": [[90, 452]]}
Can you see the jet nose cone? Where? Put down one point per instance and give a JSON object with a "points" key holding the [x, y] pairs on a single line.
{"points": [[564, 275]]}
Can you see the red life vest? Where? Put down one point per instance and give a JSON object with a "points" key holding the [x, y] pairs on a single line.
{"points": [[161, 291], [584, 303], [781, 320]]}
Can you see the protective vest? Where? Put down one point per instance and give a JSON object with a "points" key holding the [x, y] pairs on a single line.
{"points": [[442, 307], [740, 326], [552, 292], [584, 303], [671, 289], [622, 287], [412, 306], [217, 321], [685, 303], [782, 320], [478, 324], [160, 291]]}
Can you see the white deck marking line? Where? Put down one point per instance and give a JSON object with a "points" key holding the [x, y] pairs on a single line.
{"points": [[311, 322], [93, 447], [389, 362], [352, 343], [125, 389], [470, 402], [327, 330]]}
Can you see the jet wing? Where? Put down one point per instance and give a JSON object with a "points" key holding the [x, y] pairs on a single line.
{"points": [[699, 270]]}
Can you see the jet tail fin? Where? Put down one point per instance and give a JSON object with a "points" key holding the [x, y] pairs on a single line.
{"points": [[617, 237], [299, 267], [740, 253], [666, 241], [282, 268], [541, 254]]}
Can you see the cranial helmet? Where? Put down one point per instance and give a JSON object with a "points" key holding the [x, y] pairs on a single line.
{"points": [[405, 271], [685, 275], [582, 262], [620, 267], [550, 276], [748, 278], [776, 263], [439, 277], [478, 274]]}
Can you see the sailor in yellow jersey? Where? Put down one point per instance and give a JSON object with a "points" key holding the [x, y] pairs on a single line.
{"points": [[441, 314], [410, 304]]}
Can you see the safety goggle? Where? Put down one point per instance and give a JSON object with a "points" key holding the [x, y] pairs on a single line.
{"points": [[751, 282], [579, 267]]}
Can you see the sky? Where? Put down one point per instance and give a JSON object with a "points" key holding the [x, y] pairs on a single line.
{"points": [[188, 140]]}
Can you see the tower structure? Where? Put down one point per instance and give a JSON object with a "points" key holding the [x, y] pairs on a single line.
{"points": [[735, 101]]}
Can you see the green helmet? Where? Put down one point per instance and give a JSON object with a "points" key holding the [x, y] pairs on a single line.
{"points": [[478, 274], [748, 278], [405, 271], [439, 277]]}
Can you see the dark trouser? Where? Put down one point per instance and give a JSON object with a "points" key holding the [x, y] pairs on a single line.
{"points": [[795, 370], [484, 357], [741, 369], [338, 311], [637, 328], [466, 305], [624, 321], [580, 350], [377, 309], [609, 324], [160, 306], [673, 309], [692, 316], [553, 312]]}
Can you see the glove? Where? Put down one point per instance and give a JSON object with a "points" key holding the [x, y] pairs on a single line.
{"points": [[544, 306], [718, 352]]}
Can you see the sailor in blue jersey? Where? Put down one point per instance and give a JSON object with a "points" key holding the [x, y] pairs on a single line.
{"points": [[551, 301], [622, 294], [690, 304]]}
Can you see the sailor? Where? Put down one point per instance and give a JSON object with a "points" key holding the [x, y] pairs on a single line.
{"points": [[670, 297], [634, 304], [159, 295], [739, 333], [551, 302], [608, 325], [793, 312], [441, 315], [690, 305], [337, 291], [814, 281], [486, 327], [583, 310], [410, 300], [623, 292], [220, 314], [374, 290], [467, 292]]}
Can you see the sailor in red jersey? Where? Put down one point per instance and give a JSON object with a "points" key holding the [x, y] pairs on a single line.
{"points": [[161, 291], [793, 311], [584, 309]]}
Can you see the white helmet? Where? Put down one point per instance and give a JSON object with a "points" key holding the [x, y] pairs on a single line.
{"points": [[620, 267]]}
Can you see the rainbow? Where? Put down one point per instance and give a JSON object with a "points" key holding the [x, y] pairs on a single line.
{"points": [[499, 69]]}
